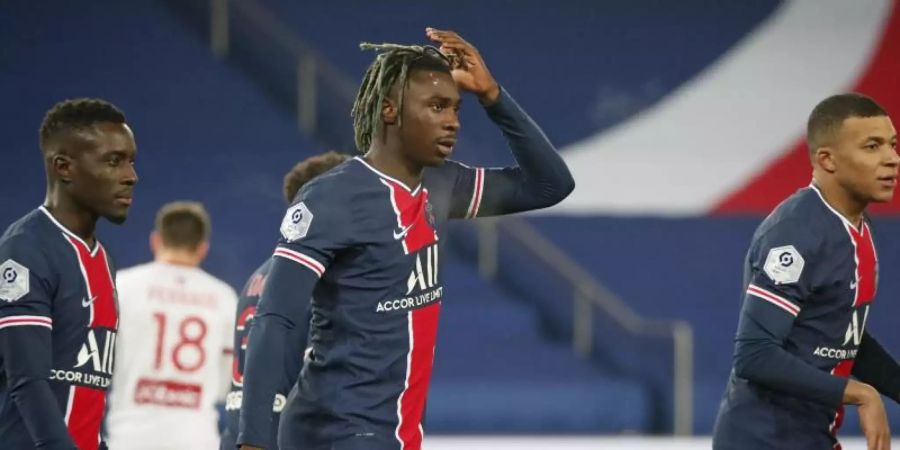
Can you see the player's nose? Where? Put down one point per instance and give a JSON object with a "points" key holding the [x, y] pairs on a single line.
{"points": [[129, 175], [893, 158], [452, 122]]}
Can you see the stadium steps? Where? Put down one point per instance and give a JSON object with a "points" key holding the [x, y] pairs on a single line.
{"points": [[495, 372]]}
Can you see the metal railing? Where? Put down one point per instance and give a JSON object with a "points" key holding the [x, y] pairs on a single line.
{"points": [[316, 76], [590, 295], [313, 72]]}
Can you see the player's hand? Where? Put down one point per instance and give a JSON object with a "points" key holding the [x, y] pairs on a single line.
{"points": [[469, 71], [872, 417], [249, 447]]}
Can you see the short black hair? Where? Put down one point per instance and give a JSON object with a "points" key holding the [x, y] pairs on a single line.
{"points": [[75, 115], [391, 67], [828, 116], [308, 169]]}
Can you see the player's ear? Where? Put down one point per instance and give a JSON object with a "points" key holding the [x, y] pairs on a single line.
{"points": [[61, 167], [202, 250], [824, 158], [155, 241], [389, 111]]}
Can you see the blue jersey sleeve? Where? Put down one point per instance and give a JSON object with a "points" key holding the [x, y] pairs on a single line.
{"points": [[782, 275], [313, 231], [540, 179], [875, 366], [246, 311], [26, 347]]}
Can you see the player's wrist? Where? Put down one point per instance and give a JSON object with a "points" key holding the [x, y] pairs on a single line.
{"points": [[858, 393], [491, 95]]}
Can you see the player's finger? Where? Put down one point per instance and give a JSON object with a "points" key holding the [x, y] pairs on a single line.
{"points": [[458, 49], [447, 36], [443, 33], [454, 41]]}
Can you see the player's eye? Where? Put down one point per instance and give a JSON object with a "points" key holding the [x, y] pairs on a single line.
{"points": [[114, 161], [872, 146], [437, 107]]}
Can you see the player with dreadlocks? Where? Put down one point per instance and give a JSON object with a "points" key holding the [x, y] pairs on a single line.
{"points": [[363, 241]]}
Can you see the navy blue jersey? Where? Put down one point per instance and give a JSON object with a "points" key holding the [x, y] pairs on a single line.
{"points": [[58, 322], [810, 278], [366, 248], [375, 313], [246, 309]]}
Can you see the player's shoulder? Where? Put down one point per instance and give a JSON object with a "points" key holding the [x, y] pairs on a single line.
{"points": [[138, 273], [347, 192], [227, 292], [263, 269], [254, 285], [339, 182], [27, 239], [798, 221], [343, 185]]}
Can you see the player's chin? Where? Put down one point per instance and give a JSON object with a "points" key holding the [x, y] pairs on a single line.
{"points": [[436, 160], [883, 196], [117, 215]]}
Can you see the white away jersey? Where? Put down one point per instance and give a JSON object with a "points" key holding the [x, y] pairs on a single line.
{"points": [[173, 357]]}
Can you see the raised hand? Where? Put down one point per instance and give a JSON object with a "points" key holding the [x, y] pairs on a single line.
{"points": [[468, 71]]}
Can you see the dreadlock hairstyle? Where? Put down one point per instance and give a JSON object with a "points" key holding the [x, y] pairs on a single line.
{"points": [[391, 67]]}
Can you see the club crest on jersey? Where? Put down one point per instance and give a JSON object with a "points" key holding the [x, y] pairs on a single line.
{"points": [[13, 281], [784, 264], [296, 222]]}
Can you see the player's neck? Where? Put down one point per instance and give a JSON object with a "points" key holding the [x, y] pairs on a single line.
{"points": [[842, 201], [177, 258], [392, 163], [77, 220]]}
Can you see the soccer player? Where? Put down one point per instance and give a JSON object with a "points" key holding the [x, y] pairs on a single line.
{"points": [[299, 175], [173, 355], [363, 240], [811, 275], [58, 306]]}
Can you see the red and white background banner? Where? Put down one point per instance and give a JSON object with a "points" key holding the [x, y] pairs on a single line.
{"points": [[731, 139]]}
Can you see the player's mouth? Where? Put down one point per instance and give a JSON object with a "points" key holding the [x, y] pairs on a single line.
{"points": [[889, 181], [445, 145], [124, 200]]}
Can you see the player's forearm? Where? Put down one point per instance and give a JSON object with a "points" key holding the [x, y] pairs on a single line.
{"points": [[876, 367], [43, 419], [265, 348], [26, 352], [543, 171], [281, 315], [764, 362]]}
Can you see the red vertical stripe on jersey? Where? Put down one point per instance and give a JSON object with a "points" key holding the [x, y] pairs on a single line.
{"points": [[412, 405], [84, 416], [866, 265], [101, 291], [411, 207], [842, 369]]}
